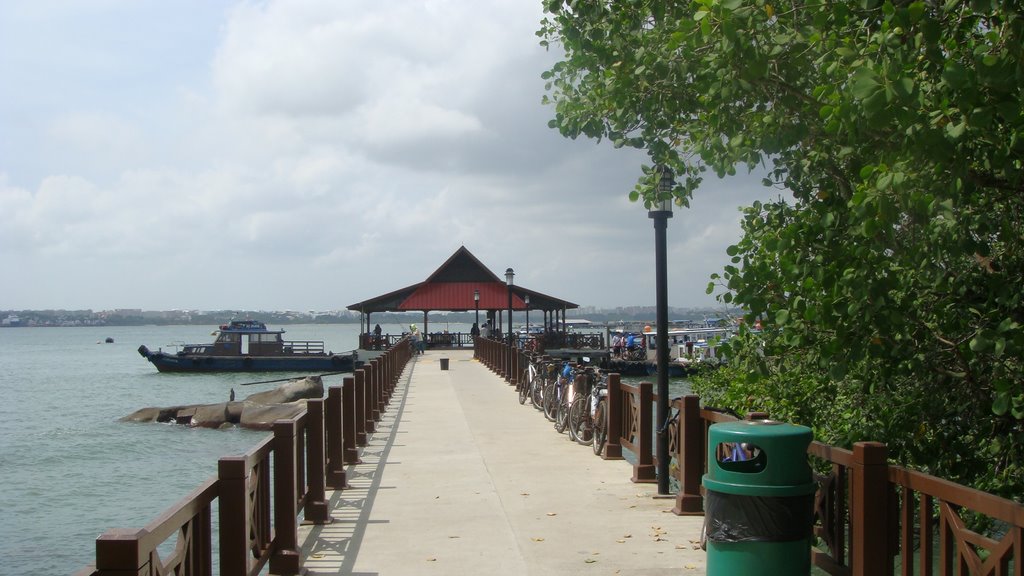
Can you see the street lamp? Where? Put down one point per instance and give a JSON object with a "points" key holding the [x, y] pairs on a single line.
{"points": [[476, 304], [661, 211], [509, 275], [526, 300]]}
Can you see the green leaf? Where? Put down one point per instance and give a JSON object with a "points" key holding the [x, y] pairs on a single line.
{"points": [[979, 344], [904, 86], [1001, 404], [955, 131], [998, 346], [782, 317], [837, 371], [864, 84], [955, 74]]}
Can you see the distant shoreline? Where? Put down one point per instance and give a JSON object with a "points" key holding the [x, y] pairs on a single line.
{"points": [[135, 317]]}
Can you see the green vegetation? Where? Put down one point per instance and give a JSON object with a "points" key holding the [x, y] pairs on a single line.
{"points": [[889, 274]]}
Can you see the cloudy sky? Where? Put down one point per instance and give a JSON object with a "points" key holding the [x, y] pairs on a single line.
{"points": [[309, 154]]}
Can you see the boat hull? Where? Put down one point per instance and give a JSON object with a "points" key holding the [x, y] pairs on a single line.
{"points": [[288, 363]]}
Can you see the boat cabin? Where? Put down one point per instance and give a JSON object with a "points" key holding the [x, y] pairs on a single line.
{"points": [[684, 343], [251, 338]]}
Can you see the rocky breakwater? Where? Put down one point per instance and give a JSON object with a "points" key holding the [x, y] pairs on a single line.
{"points": [[257, 411]]}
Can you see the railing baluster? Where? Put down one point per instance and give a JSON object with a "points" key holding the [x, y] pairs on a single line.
{"points": [[336, 478], [234, 514], [613, 447], [869, 518], [643, 470], [316, 509], [349, 420], [690, 458], [360, 405], [286, 559]]}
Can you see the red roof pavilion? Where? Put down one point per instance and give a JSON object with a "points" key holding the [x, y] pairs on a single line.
{"points": [[451, 288]]}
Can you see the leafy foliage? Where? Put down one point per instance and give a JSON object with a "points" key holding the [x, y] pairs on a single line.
{"points": [[889, 284]]}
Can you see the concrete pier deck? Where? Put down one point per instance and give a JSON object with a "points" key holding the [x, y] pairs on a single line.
{"points": [[459, 478]]}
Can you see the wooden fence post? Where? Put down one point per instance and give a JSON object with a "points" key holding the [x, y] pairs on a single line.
{"points": [[689, 501], [286, 559], [613, 404], [643, 470], [334, 426], [373, 387], [234, 513], [316, 510], [118, 552], [869, 513], [382, 385], [360, 405], [349, 421]]}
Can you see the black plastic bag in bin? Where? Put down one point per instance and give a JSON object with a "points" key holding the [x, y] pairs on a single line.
{"points": [[736, 518]]}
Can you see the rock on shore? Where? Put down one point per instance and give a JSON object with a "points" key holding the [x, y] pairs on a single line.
{"points": [[257, 411]]}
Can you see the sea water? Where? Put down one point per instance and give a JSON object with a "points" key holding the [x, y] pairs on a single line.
{"points": [[70, 469]]}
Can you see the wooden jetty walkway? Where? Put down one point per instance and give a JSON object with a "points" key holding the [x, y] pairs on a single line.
{"points": [[435, 468], [459, 478]]}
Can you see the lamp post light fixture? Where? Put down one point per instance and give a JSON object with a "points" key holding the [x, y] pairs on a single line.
{"points": [[509, 275], [526, 300], [476, 305], [510, 373], [660, 212]]}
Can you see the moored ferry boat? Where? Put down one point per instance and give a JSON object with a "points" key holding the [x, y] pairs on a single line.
{"points": [[635, 353], [248, 346]]}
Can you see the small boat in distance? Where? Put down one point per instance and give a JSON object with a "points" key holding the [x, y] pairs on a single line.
{"points": [[247, 346]]}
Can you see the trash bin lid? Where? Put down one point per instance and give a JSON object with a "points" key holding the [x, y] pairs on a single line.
{"points": [[759, 458]]}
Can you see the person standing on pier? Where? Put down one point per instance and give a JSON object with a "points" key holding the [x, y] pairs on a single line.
{"points": [[417, 339]]}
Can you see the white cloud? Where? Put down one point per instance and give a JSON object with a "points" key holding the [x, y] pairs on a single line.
{"points": [[336, 150]]}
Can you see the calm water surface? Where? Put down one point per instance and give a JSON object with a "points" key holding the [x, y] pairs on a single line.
{"points": [[69, 470]]}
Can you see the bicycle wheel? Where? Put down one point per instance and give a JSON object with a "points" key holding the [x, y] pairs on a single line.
{"points": [[524, 386], [537, 392], [600, 427], [579, 420], [550, 399], [562, 416]]}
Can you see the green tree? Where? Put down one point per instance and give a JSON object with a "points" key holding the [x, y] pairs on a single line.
{"points": [[889, 274]]}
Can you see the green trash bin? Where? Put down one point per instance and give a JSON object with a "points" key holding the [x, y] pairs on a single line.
{"points": [[759, 499]]}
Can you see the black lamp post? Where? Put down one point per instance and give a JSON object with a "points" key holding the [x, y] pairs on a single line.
{"points": [[660, 212], [526, 300], [476, 305], [509, 274]]}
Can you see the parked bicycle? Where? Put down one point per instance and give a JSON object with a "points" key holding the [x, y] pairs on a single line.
{"points": [[564, 395], [527, 378], [534, 378], [546, 372], [553, 391], [600, 414], [581, 413]]}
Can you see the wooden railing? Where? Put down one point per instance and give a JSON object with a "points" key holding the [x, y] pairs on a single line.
{"points": [[869, 513], [303, 346], [439, 340], [257, 518]]}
